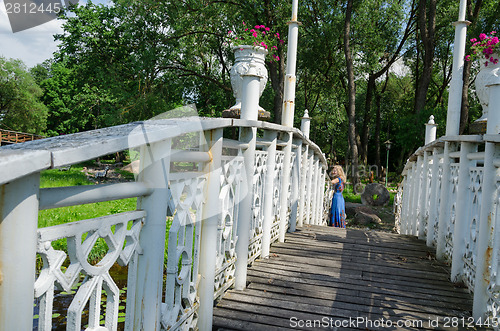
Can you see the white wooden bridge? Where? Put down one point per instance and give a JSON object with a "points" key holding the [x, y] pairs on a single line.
{"points": [[226, 215]]}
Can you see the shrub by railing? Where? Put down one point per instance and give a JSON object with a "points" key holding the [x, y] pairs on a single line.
{"points": [[449, 197], [236, 201]]}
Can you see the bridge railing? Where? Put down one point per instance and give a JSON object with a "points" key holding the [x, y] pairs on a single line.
{"points": [[449, 197], [224, 215]]}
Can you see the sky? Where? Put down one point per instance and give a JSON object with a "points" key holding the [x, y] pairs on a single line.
{"points": [[33, 45]]}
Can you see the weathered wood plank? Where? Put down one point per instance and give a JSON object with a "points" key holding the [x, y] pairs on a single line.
{"points": [[338, 274]]}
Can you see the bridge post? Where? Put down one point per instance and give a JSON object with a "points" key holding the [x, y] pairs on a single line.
{"points": [[248, 135], [423, 196], [462, 216], [434, 197], [488, 225], [154, 169], [285, 182], [310, 160], [18, 244], [303, 179], [267, 224], [416, 197], [295, 184], [444, 208], [305, 127], [210, 220], [314, 192]]}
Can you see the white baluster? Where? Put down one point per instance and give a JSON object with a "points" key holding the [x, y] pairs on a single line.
{"points": [[462, 222], [445, 203], [285, 182], [423, 196], [434, 196], [295, 185], [310, 160], [18, 240], [270, 136], [303, 179], [155, 166], [210, 220]]}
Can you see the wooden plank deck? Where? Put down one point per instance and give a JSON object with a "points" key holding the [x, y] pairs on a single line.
{"points": [[326, 278]]}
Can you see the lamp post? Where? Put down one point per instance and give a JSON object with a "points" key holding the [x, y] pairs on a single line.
{"points": [[388, 147]]}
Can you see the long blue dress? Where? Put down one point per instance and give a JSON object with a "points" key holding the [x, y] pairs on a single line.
{"points": [[338, 206]]}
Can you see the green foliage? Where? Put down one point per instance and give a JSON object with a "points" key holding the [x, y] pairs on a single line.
{"points": [[20, 107]]}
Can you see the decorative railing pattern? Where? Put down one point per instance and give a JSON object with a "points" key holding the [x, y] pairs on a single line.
{"points": [[461, 202], [203, 208]]}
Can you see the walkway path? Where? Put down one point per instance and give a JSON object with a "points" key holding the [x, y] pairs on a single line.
{"points": [[345, 279]]}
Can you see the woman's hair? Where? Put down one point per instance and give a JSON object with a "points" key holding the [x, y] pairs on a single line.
{"points": [[340, 173]]}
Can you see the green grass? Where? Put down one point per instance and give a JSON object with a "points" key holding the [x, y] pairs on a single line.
{"points": [[50, 217]]}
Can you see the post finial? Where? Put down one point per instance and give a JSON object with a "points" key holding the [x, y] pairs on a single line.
{"points": [[431, 120], [306, 114]]}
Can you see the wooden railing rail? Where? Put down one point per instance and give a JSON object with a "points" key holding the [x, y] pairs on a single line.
{"points": [[15, 137], [229, 209]]}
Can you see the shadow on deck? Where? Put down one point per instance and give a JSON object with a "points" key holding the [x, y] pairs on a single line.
{"points": [[325, 278]]}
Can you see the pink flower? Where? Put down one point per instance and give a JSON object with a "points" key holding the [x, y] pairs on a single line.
{"points": [[473, 40], [493, 32], [257, 27], [467, 58], [229, 32], [277, 35], [274, 47], [482, 36], [254, 34], [246, 29], [263, 26], [494, 40], [244, 23], [267, 29]]}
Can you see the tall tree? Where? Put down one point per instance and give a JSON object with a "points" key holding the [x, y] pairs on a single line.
{"points": [[351, 103], [20, 107], [427, 31]]}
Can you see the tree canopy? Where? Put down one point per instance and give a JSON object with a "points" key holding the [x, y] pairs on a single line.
{"points": [[367, 71]]}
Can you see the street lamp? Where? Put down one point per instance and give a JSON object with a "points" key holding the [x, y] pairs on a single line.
{"points": [[388, 147]]}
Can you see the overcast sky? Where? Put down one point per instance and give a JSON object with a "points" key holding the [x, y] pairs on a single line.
{"points": [[34, 45]]}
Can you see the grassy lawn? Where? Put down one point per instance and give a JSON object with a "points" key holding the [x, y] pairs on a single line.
{"points": [[50, 217]]}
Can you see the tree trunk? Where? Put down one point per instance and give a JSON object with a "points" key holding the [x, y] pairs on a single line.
{"points": [[276, 70], [427, 28], [472, 15], [351, 87], [365, 131]]}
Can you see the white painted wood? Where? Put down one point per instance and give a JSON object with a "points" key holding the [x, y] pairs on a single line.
{"points": [[211, 215], [422, 227], [462, 211], [56, 197], [18, 224], [310, 170], [295, 184], [444, 208], [272, 137], [303, 181], [32, 162], [435, 194], [484, 282], [147, 305], [248, 135], [284, 186]]}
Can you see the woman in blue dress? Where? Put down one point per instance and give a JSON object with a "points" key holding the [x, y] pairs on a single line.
{"points": [[338, 204]]}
